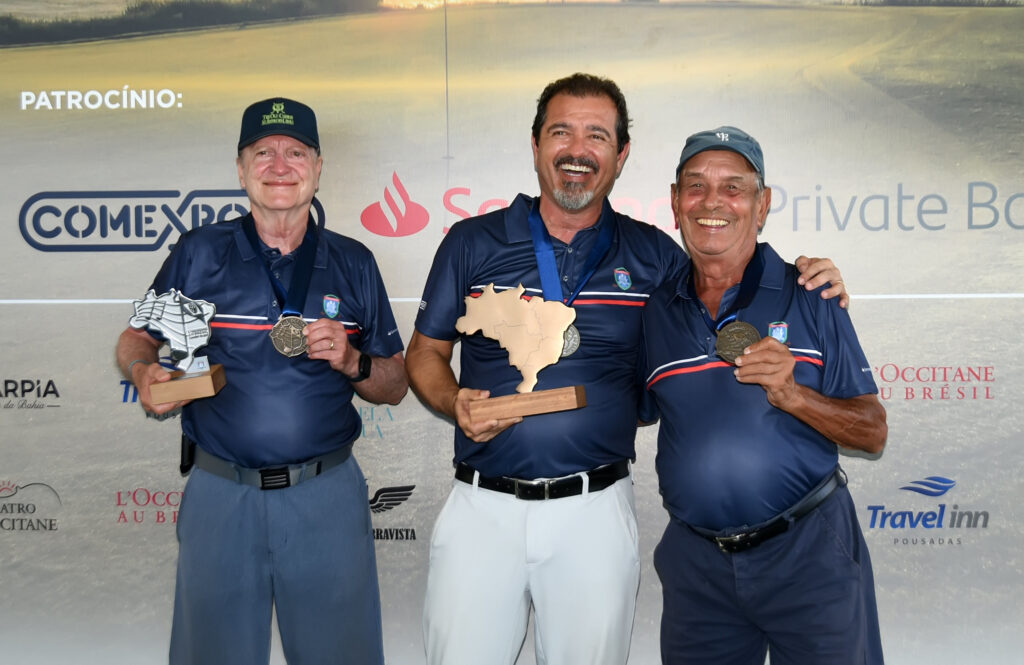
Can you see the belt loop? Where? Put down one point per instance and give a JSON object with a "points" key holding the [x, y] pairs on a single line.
{"points": [[585, 476], [476, 480]]}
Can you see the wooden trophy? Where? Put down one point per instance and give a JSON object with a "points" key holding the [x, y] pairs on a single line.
{"points": [[536, 334]]}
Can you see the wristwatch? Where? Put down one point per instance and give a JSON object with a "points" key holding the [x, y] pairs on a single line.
{"points": [[365, 365]]}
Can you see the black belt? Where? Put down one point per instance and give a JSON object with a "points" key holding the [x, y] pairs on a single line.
{"points": [[271, 478], [740, 542], [557, 488]]}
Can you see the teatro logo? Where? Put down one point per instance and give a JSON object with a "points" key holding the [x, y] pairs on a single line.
{"points": [[401, 217], [20, 507], [912, 524], [935, 383], [30, 394]]}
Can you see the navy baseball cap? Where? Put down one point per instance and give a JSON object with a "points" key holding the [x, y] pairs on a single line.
{"points": [[279, 116], [723, 138]]}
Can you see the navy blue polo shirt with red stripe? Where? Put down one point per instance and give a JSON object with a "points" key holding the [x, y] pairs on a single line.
{"points": [[726, 457], [497, 248], [274, 409]]}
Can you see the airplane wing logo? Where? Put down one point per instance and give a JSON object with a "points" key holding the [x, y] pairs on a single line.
{"points": [[387, 498]]}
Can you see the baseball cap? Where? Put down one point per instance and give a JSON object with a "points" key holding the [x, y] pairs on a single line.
{"points": [[279, 116], [723, 138]]}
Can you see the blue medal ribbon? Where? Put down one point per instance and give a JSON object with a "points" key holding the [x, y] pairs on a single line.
{"points": [[294, 299], [748, 287], [544, 250]]}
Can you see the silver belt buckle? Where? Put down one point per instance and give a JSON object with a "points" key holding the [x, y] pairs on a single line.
{"points": [[734, 539], [530, 483]]}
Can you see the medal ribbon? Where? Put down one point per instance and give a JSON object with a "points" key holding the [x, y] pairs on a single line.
{"points": [[544, 250], [748, 287], [291, 302]]}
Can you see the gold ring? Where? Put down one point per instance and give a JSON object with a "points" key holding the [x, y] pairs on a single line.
{"points": [[332, 346]]}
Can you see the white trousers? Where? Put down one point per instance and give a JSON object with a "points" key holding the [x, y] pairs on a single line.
{"points": [[575, 560]]}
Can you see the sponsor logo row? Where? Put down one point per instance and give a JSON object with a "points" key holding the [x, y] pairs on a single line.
{"points": [[896, 382], [146, 220], [922, 512], [36, 507]]}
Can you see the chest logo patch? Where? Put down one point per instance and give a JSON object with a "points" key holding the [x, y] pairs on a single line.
{"points": [[779, 330], [332, 305], [623, 279]]}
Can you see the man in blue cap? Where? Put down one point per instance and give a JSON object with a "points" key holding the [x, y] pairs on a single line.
{"points": [[758, 382], [275, 513]]}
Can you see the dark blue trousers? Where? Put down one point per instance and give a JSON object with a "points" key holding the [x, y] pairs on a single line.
{"points": [[806, 596]]}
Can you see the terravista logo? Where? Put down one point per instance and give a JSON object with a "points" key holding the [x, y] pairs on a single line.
{"points": [[942, 524]]}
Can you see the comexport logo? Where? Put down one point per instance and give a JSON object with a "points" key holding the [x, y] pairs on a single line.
{"points": [[126, 221]]}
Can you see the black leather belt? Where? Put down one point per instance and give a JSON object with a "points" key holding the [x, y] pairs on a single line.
{"points": [[271, 478], [740, 542], [556, 488]]}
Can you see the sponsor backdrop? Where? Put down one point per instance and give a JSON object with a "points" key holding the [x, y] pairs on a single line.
{"points": [[893, 138]]}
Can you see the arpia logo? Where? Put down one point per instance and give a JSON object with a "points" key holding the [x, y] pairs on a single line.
{"points": [[123, 221], [941, 517]]}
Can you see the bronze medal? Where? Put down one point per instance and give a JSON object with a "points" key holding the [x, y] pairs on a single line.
{"points": [[733, 338], [287, 336], [570, 341]]}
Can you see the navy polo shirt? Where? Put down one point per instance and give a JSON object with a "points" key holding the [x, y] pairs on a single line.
{"points": [[497, 248], [726, 457], [274, 409]]}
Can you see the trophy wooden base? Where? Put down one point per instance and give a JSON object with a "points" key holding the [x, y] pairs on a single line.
{"points": [[182, 387], [528, 404]]}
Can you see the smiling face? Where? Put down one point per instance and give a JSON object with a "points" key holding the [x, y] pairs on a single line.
{"points": [[279, 174], [719, 207], [576, 154]]}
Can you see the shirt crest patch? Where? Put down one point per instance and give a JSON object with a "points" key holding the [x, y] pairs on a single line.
{"points": [[779, 330], [623, 279], [332, 305]]}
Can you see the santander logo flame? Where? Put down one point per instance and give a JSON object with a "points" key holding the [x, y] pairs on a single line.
{"points": [[397, 219]]}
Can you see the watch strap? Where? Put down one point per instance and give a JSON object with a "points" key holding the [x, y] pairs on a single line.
{"points": [[365, 366]]}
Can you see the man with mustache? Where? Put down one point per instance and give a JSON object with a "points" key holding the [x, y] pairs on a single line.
{"points": [[541, 512]]}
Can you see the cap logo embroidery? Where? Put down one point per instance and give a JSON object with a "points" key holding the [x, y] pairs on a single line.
{"points": [[277, 116], [723, 137]]}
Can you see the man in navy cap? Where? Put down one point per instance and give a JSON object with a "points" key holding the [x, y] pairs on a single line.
{"points": [[275, 512], [758, 382]]}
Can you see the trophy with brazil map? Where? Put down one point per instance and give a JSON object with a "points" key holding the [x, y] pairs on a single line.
{"points": [[185, 324], [536, 334]]}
